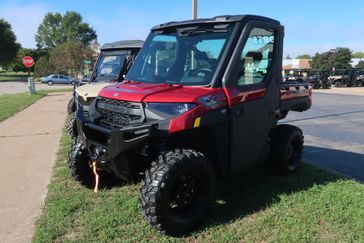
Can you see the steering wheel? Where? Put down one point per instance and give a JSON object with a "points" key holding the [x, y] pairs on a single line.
{"points": [[206, 71]]}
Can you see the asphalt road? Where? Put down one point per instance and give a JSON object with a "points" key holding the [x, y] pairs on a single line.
{"points": [[21, 87], [334, 133]]}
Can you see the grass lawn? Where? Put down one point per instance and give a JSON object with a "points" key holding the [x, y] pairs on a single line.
{"points": [[309, 206], [6, 78], [13, 103]]}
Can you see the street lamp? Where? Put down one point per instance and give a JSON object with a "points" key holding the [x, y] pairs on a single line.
{"points": [[333, 68]]}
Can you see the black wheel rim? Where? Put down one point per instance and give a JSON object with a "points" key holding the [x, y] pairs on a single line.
{"points": [[294, 153], [185, 195]]}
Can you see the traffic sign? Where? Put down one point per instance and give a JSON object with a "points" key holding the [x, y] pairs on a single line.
{"points": [[87, 61], [28, 61]]}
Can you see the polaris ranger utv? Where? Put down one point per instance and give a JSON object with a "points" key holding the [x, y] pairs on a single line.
{"points": [[112, 64], [201, 102]]}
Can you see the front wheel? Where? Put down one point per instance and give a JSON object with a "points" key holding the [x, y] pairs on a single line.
{"points": [[79, 164], [286, 149], [71, 125], [50, 83], [177, 191]]}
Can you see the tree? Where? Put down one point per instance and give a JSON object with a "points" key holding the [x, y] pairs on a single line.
{"points": [[288, 57], [304, 56], [8, 45], [360, 65], [43, 67], [358, 54], [57, 29], [69, 57], [340, 59]]}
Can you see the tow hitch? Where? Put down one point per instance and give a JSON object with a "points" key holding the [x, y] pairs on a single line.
{"points": [[94, 169], [96, 158]]}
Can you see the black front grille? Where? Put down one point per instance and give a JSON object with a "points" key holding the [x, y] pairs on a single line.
{"points": [[117, 113]]}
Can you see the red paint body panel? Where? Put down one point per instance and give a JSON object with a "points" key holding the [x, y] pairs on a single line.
{"points": [[161, 93], [206, 98], [235, 96]]}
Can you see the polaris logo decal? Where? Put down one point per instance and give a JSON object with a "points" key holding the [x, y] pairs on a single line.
{"points": [[116, 94]]}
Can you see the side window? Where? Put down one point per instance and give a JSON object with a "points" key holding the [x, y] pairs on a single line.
{"points": [[202, 59], [256, 57]]}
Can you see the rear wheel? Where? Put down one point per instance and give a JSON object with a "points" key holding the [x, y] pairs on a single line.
{"points": [[286, 150], [71, 125], [316, 85], [50, 83], [71, 106], [177, 191]]}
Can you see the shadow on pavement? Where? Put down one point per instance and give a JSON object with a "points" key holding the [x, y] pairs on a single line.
{"points": [[347, 163]]}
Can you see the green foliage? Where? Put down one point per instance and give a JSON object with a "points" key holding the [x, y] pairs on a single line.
{"points": [[340, 59], [66, 58], [304, 56], [13, 103], [43, 67], [18, 66], [309, 206], [8, 45], [358, 54], [360, 65], [57, 29]]}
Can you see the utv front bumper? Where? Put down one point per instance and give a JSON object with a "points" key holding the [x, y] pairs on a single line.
{"points": [[116, 141]]}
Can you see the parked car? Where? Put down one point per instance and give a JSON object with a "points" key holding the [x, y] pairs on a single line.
{"points": [[58, 79]]}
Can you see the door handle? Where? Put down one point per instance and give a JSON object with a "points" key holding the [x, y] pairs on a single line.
{"points": [[239, 111], [276, 113]]}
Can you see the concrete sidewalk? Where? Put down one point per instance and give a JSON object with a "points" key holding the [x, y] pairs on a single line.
{"points": [[28, 144]]}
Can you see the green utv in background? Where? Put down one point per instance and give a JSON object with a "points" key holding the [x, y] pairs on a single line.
{"points": [[112, 65]]}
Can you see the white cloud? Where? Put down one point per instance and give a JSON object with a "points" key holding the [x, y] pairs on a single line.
{"points": [[24, 20]]}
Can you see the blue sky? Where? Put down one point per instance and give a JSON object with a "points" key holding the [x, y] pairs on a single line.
{"points": [[311, 26]]}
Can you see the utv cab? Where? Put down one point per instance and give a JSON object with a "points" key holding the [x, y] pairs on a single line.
{"points": [[112, 65], [201, 102]]}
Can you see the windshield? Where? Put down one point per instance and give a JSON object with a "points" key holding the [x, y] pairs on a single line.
{"points": [[109, 66], [187, 56]]}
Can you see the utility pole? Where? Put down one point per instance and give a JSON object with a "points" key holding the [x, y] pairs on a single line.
{"points": [[194, 9]]}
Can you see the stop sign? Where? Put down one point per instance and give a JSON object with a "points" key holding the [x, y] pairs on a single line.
{"points": [[28, 61]]}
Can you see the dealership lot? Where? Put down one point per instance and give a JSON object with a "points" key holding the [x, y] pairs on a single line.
{"points": [[334, 131]]}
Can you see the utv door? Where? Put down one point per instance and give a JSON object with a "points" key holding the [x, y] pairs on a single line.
{"points": [[252, 84]]}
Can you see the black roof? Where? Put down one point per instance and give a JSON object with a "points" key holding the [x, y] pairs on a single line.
{"points": [[124, 44], [218, 20]]}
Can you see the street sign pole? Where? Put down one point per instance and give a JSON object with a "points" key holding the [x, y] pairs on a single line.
{"points": [[28, 62], [194, 9]]}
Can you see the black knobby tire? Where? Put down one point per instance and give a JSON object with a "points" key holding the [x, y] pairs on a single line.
{"points": [[71, 106], [316, 85], [286, 150], [78, 163], [71, 125], [177, 191]]}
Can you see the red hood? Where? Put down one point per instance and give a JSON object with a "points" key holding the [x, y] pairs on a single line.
{"points": [[147, 92]]}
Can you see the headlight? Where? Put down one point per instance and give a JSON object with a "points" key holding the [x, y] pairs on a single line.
{"points": [[169, 109]]}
